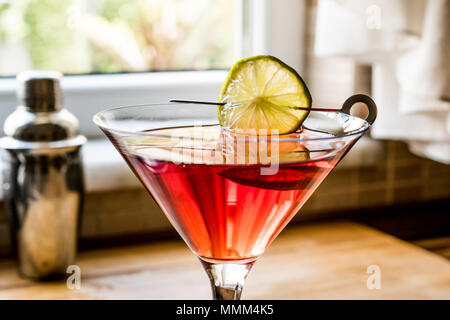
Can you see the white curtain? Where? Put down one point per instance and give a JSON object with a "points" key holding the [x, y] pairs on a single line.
{"points": [[408, 44]]}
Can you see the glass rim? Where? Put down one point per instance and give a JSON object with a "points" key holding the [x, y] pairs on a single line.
{"points": [[96, 119]]}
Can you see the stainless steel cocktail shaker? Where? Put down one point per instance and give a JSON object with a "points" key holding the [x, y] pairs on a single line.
{"points": [[42, 176]]}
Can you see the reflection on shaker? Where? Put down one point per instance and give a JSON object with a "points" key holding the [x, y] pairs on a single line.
{"points": [[43, 181], [48, 215]]}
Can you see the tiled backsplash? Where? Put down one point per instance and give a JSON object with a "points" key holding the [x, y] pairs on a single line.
{"points": [[400, 178]]}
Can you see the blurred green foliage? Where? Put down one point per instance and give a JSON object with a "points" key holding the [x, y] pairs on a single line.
{"points": [[101, 36], [50, 41]]}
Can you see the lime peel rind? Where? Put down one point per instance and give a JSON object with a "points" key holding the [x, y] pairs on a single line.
{"points": [[262, 92]]}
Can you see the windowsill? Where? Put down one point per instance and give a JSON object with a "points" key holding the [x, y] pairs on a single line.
{"points": [[107, 82], [104, 168]]}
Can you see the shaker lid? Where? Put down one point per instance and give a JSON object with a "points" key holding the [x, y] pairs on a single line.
{"points": [[39, 91]]}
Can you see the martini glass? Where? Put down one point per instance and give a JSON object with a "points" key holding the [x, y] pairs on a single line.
{"points": [[229, 194]]}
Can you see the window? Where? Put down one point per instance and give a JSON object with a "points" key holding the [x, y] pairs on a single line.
{"points": [[110, 36], [198, 35]]}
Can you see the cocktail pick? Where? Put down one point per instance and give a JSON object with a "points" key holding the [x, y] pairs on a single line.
{"points": [[346, 107], [224, 103]]}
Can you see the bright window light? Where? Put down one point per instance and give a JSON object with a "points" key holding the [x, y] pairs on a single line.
{"points": [[113, 36]]}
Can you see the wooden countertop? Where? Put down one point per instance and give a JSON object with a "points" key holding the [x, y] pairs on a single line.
{"points": [[315, 261]]}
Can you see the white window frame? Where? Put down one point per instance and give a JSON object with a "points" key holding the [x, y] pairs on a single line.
{"points": [[277, 27]]}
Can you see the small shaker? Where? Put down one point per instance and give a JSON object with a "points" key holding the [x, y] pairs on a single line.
{"points": [[42, 177]]}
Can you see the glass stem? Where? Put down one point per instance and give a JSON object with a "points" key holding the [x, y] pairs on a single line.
{"points": [[227, 279]]}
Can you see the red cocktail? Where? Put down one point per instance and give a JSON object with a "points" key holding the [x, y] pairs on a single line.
{"points": [[227, 194], [226, 211]]}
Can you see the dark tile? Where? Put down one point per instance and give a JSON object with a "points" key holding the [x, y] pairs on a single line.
{"points": [[409, 194], [372, 198], [372, 174], [412, 171], [438, 171], [3, 217], [335, 200], [438, 189], [338, 178]]}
